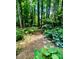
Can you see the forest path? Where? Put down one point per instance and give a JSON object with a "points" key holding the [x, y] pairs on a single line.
{"points": [[37, 41]]}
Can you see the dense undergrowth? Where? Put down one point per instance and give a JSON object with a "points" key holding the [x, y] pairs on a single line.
{"points": [[21, 32], [55, 35]]}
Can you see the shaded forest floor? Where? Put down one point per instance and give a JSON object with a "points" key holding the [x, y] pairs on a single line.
{"points": [[35, 41]]}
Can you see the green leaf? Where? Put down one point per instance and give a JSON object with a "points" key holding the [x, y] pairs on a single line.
{"points": [[60, 56], [54, 56], [52, 50], [36, 52], [45, 52]]}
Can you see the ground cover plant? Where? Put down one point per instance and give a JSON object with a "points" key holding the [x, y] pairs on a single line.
{"points": [[19, 34], [48, 53], [56, 36], [31, 30]]}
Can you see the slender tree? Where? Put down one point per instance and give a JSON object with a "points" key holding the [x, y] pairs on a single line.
{"points": [[49, 3], [32, 17], [34, 14], [48, 8], [38, 13], [41, 11], [55, 7], [19, 12]]}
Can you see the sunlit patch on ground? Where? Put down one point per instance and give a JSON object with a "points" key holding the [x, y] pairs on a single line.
{"points": [[30, 43]]}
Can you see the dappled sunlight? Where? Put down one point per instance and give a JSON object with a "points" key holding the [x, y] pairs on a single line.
{"points": [[39, 23], [35, 42]]}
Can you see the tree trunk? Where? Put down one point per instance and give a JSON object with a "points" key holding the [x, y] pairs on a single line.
{"points": [[19, 14], [49, 8], [38, 14], [34, 16], [41, 12]]}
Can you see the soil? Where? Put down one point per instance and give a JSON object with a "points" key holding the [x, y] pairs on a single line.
{"points": [[36, 41]]}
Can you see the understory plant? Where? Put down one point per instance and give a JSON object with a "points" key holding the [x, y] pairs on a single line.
{"points": [[31, 30], [19, 34], [48, 53], [56, 36]]}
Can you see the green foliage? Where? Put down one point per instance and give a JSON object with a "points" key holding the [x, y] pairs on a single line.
{"points": [[48, 33], [18, 50], [55, 35], [48, 53], [31, 30], [47, 24], [19, 34], [46, 27], [47, 21], [29, 12]]}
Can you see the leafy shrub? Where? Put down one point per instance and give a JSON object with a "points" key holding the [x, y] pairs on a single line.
{"points": [[19, 34], [47, 24], [48, 53], [46, 27], [58, 36], [31, 30], [47, 21], [55, 35]]}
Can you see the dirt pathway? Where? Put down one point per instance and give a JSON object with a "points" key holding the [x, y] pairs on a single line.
{"points": [[36, 41]]}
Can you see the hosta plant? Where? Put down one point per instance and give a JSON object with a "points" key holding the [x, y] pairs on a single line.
{"points": [[48, 53]]}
